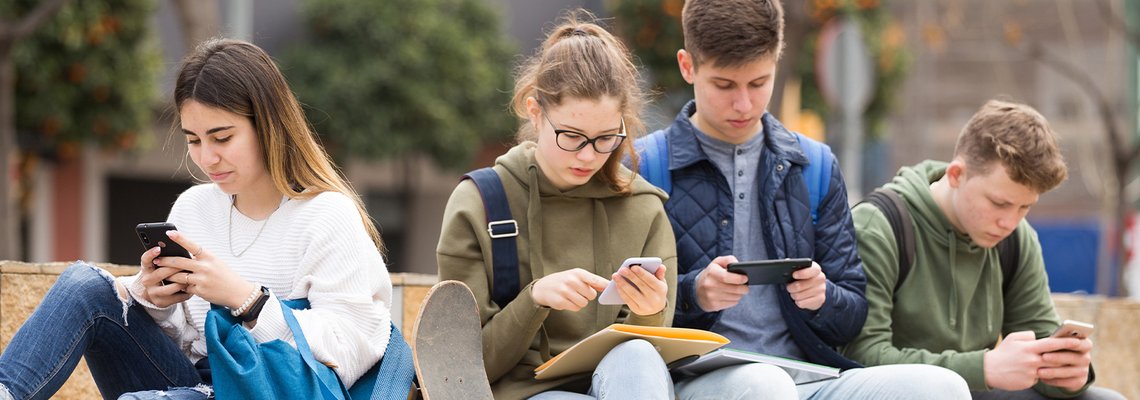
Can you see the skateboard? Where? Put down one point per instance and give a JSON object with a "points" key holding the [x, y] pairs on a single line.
{"points": [[448, 348]]}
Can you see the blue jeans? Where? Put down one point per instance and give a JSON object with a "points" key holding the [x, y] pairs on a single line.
{"points": [[632, 370], [750, 381], [886, 382], [82, 315]]}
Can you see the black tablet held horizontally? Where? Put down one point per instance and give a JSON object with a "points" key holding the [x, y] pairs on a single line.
{"points": [[767, 272]]}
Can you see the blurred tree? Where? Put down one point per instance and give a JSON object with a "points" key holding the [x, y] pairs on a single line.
{"points": [[82, 72], [386, 79]]}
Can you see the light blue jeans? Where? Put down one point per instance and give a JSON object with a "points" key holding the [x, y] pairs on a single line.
{"points": [[632, 370], [82, 315], [887, 382]]}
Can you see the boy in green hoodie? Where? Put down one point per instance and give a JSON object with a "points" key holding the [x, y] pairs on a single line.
{"points": [[951, 309]]}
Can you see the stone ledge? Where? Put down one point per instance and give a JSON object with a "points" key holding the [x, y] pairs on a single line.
{"points": [[22, 285]]}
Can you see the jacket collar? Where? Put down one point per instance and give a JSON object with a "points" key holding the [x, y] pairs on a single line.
{"points": [[685, 150]]}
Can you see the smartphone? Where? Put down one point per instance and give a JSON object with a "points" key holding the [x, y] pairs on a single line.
{"points": [[767, 272], [153, 234], [1077, 329], [610, 294]]}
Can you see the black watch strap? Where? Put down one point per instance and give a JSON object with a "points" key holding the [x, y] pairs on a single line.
{"points": [[255, 308]]}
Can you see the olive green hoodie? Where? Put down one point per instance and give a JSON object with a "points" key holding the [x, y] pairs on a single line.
{"points": [[589, 227], [951, 308]]}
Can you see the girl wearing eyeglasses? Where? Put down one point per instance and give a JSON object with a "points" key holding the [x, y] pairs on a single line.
{"points": [[580, 213]]}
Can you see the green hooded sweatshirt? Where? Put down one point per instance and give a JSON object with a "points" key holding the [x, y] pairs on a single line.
{"points": [[951, 308], [589, 227]]}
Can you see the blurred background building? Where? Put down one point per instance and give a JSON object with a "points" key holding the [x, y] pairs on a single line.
{"points": [[932, 64]]}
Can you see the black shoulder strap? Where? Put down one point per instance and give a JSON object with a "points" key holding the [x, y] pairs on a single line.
{"points": [[503, 229], [898, 215], [1009, 252], [896, 211]]}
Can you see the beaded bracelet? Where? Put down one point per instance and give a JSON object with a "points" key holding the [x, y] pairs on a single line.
{"points": [[236, 312]]}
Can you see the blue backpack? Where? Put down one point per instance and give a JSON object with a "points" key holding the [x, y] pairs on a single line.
{"points": [[654, 151]]}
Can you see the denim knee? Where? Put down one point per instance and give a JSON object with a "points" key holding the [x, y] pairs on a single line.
{"points": [[83, 284]]}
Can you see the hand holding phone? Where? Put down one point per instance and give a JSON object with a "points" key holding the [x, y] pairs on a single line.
{"points": [[767, 272], [153, 235], [610, 295]]}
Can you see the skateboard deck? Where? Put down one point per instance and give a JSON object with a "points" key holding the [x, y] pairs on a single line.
{"points": [[448, 348]]}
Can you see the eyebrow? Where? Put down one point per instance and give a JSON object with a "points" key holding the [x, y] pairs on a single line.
{"points": [[576, 130], [209, 132]]}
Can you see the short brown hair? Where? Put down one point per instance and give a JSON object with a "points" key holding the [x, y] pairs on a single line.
{"points": [[1017, 136], [581, 60], [732, 32]]}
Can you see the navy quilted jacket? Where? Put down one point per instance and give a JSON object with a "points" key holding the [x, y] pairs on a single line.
{"points": [[700, 210]]}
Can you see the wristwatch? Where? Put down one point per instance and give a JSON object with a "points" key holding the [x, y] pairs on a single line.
{"points": [[255, 308]]}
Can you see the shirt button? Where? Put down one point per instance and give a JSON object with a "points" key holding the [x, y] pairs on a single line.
{"points": [[724, 222], [740, 173], [780, 167], [741, 196], [739, 152]]}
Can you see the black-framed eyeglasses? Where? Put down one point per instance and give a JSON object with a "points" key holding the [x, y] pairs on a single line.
{"points": [[573, 141]]}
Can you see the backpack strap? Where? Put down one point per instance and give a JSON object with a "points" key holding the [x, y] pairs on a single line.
{"points": [[654, 166], [898, 215], [817, 174], [503, 229]]}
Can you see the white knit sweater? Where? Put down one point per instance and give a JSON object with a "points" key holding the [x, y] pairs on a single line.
{"points": [[316, 249]]}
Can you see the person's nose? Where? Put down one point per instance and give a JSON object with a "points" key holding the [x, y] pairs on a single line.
{"points": [[742, 102], [588, 153], [207, 154]]}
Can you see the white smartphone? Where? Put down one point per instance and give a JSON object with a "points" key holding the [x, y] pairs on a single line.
{"points": [[610, 294], [1070, 328]]}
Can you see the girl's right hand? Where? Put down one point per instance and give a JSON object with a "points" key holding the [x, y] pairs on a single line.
{"points": [[568, 290], [154, 290]]}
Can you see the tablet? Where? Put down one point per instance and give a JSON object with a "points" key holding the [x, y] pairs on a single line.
{"points": [[610, 294], [767, 272]]}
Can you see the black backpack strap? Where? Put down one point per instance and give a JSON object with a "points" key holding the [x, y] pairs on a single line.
{"points": [[898, 215], [503, 229], [1009, 253]]}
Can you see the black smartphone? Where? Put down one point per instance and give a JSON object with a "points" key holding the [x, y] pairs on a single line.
{"points": [[153, 234], [767, 272]]}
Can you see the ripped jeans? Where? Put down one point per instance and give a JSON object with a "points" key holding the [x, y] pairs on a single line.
{"points": [[82, 315]]}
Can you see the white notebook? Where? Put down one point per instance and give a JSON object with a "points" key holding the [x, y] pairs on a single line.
{"points": [[724, 357]]}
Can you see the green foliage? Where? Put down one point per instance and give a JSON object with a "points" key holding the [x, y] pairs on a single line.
{"points": [[86, 76], [381, 79]]}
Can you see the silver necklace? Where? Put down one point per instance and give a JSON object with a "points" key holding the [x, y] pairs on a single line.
{"points": [[230, 229]]}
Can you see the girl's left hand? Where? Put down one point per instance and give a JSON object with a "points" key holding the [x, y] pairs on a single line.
{"points": [[645, 293], [206, 276]]}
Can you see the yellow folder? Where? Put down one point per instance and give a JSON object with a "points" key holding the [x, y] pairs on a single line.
{"points": [[672, 343]]}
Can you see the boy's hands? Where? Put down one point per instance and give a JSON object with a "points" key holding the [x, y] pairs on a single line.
{"points": [[1020, 360], [810, 288], [718, 289]]}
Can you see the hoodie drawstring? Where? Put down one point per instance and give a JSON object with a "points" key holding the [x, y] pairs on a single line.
{"points": [[953, 279]]}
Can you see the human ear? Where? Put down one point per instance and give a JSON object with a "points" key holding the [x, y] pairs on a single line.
{"points": [[685, 63], [534, 111], [956, 173]]}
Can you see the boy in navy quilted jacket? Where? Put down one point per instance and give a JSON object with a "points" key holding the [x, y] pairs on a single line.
{"points": [[738, 192]]}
